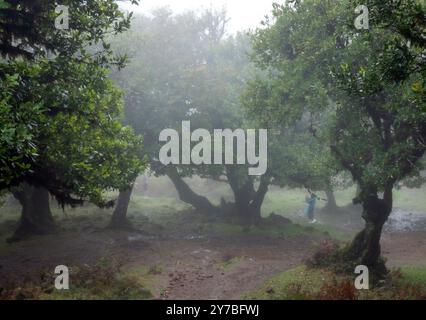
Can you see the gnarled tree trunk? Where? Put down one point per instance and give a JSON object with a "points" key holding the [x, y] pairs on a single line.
{"points": [[119, 216], [36, 217], [243, 193], [242, 206], [248, 201], [259, 197], [187, 195], [365, 248]]}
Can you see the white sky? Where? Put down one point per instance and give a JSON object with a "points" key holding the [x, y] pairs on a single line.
{"points": [[244, 14]]}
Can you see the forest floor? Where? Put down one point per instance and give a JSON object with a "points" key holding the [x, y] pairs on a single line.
{"points": [[175, 253], [212, 261], [188, 257]]}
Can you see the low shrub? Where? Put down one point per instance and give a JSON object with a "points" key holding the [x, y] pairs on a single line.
{"points": [[104, 280]]}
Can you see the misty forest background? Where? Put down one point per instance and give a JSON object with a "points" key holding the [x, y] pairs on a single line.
{"points": [[81, 185]]}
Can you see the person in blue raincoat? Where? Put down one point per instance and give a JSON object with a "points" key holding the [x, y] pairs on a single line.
{"points": [[311, 200]]}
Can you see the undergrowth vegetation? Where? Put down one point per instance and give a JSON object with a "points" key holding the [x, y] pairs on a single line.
{"points": [[105, 280], [303, 283]]}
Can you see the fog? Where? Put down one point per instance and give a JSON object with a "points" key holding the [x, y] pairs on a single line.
{"points": [[191, 152], [243, 14]]}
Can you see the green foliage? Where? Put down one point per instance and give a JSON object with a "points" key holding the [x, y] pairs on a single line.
{"points": [[60, 114], [370, 84], [315, 58], [28, 30], [194, 73], [18, 127], [291, 96], [383, 81], [295, 50], [298, 159]]}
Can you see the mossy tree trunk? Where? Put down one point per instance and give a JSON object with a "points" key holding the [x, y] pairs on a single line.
{"points": [[242, 207], [248, 201], [36, 217], [256, 204], [119, 216], [186, 194], [365, 248], [243, 190]]}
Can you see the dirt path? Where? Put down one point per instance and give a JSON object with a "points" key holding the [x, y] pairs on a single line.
{"points": [[221, 269], [202, 267], [405, 248]]}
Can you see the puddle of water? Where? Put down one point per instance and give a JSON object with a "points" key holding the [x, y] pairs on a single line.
{"points": [[139, 237], [194, 237]]}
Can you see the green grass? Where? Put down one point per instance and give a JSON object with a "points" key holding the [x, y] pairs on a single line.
{"points": [[121, 289], [149, 277], [414, 275], [170, 213], [173, 214], [302, 283], [164, 209], [333, 232], [155, 207], [106, 280], [280, 286], [287, 203], [290, 204], [229, 264]]}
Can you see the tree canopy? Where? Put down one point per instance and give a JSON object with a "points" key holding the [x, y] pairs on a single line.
{"points": [[61, 114], [372, 79]]}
